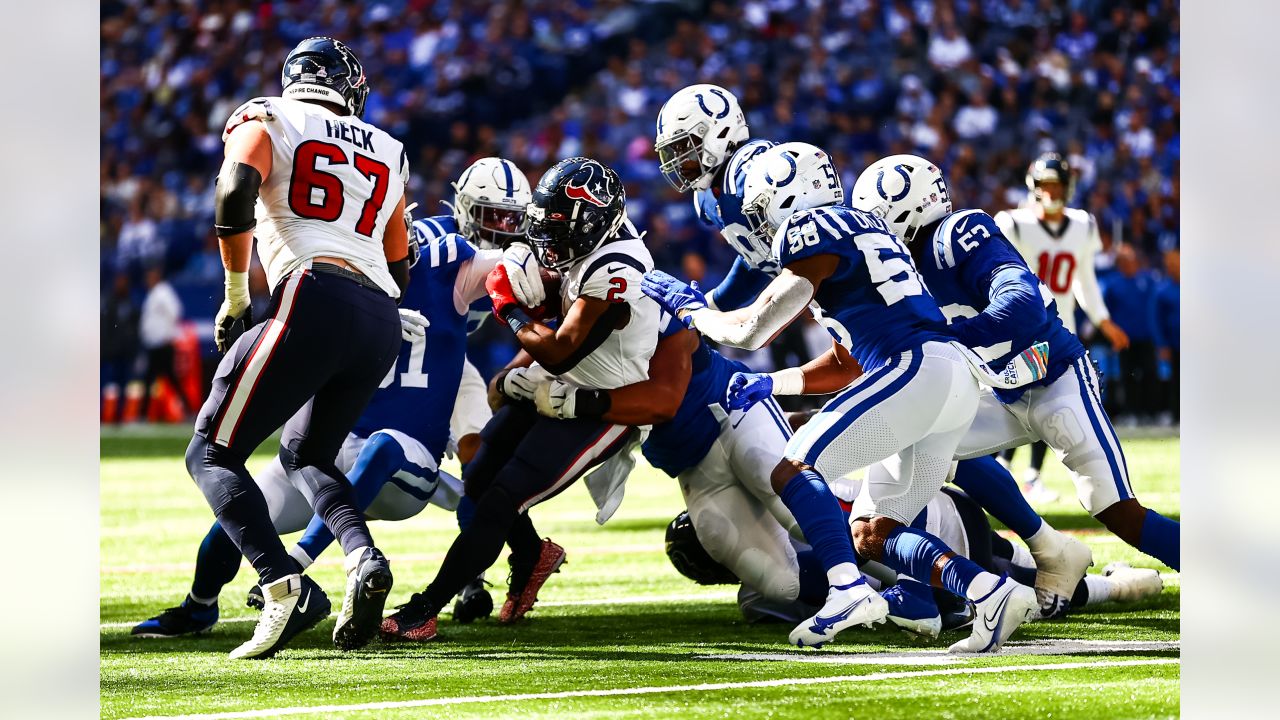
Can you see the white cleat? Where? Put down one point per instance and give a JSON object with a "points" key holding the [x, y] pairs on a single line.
{"points": [[1058, 573], [1131, 584], [855, 604], [998, 614], [292, 605]]}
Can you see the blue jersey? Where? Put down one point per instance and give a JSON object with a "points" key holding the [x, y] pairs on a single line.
{"points": [[875, 303], [684, 440], [418, 393], [995, 304], [434, 228], [720, 206]]}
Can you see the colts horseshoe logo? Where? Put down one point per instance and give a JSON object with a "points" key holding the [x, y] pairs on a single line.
{"points": [[719, 114], [906, 184]]}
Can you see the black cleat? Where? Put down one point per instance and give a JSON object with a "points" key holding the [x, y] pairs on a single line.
{"points": [[473, 603], [368, 583]]}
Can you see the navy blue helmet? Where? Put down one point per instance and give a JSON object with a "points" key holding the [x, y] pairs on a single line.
{"points": [[690, 558], [1051, 167], [577, 205], [326, 70]]}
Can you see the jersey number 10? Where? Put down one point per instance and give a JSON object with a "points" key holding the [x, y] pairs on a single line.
{"points": [[306, 178], [1057, 271]]}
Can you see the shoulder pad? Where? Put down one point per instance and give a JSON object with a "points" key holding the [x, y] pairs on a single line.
{"points": [[960, 234], [434, 227], [258, 108], [808, 230], [444, 249], [614, 275]]}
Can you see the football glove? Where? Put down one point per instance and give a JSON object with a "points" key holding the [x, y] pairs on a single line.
{"points": [[524, 274], [233, 316], [516, 384], [413, 325], [556, 399], [747, 389], [500, 291], [673, 294]]}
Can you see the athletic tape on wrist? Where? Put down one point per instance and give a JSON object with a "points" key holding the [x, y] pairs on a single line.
{"points": [[788, 382]]}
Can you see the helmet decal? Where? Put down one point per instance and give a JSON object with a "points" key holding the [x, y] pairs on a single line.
{"points": [[593, 188], [906, 184], [719, 114], [790, 176]]}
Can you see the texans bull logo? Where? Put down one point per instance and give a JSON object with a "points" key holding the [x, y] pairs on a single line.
{"points": [[591, 185]]}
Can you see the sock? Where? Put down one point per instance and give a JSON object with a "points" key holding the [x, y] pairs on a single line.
{"points": [[978, 586], [1032, 476], [1160, 539], [914, 552], [217, 563], [466, 512], [992, 487], [813, 579], [1038, 451], [818, 514], [379, 459]]}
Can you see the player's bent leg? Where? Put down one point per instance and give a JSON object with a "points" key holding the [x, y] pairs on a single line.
{"points": [[217, 563], [752, 448]]}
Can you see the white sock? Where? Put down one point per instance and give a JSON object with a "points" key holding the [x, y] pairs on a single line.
{"points": [[1099, 588], [1032, 476], [300, 555], [843, 574], [1022, 556], [1046, 539], [982, 585], [203, 601]]}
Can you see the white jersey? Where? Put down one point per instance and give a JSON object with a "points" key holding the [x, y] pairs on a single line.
{"points": [[613, 272], [1063, 258], [335, 181]]}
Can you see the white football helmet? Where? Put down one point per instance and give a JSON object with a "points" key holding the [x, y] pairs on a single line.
{"points": [[906, 191], [489, 202], [698, 130], [784, 180]]}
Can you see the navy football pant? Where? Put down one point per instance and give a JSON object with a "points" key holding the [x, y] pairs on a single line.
{"points": [[312, 366], [523, 459]]}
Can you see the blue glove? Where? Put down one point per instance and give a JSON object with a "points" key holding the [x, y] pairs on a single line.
{"points": [[672, 294], [747, 389]]}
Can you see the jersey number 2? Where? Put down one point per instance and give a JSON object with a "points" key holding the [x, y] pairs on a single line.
{"points": [[307, 178]]}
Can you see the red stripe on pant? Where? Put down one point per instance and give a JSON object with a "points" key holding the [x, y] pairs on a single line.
{"points": [[604, 442]]}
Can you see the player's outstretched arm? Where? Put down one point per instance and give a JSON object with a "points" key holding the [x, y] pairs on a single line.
{"points": [[827, 373]]}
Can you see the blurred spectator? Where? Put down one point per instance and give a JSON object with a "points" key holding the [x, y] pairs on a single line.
{"points": [[118, 335], [1166, 308], [1128, 293], [161, 321]]}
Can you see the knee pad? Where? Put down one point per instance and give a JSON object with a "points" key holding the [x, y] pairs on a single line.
{"points": [[213, 468]]}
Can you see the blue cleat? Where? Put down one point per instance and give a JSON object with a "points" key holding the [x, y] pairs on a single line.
{"points": [[912, 608], [189, 618]]}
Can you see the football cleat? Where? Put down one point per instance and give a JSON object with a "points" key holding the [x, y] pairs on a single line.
{"points": [[254, 599], [1131, 584], [912, 608], [189, 618], [998, 614], [846, 606], [294, 603], [1037, 493], [474, 602], [411, 621], [520, 599], [368, 582], [1058, 573]]}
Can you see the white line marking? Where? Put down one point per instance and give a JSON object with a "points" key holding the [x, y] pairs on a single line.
{"points": [[705, 687], [643, 600], [942, 657]]}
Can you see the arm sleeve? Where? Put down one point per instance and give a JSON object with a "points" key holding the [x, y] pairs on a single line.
{"points": [[739, 288], [468, 287], [1085, 285], [1014, 311], [789, 295]]}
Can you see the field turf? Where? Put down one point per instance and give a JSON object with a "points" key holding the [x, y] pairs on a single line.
{"points": [[618, 633]]}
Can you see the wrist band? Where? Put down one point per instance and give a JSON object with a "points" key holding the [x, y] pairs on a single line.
{"points": [[788, 382], [517, 318], [591, 403]]}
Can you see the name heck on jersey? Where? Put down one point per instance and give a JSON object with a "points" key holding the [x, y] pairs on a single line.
{"points": [[875, 303]]}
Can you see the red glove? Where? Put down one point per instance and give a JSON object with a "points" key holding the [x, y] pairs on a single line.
{"points": [[499, 287]]}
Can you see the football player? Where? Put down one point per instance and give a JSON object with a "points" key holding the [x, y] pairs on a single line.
{"points": [[904, 392], [578, 226], [1059, 243], [324, 191], [393, 452], [489, 210], [721, 459], [995, 304]]}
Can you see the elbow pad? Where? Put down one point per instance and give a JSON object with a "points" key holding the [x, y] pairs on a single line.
{"points": [[235, 192], [400, 273]]}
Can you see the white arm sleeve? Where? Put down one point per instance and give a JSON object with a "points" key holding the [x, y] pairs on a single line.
{"points": [[789, 296], [1085, 287], [469, 287], [1005, 222]]}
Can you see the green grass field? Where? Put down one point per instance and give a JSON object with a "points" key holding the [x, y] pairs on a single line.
{"points": [[617, 633]]}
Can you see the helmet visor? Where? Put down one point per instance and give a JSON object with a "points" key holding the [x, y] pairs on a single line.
{"points": [[679, 161], [553, 241], [498, 224]]}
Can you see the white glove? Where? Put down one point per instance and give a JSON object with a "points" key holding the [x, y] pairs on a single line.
{"points": [[230, 322], [556, 399], [252, 110], [525, 274], [413, 325], [518, 385]]}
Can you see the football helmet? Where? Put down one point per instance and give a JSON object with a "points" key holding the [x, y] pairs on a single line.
{"points": [[698, 130], [1051, 167], [490, 202], [324, 69], [690, 558], [577, 205], [906, 191], [784, 180]]}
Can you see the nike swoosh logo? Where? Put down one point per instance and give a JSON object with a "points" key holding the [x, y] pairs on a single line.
{"points": [[960, 228], [822, 624], [614, 269], [306, 602], [991, 622]]}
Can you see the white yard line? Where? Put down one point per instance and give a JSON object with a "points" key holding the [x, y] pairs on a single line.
{"points": [[706, 687], [942, 657], [639, 600]]}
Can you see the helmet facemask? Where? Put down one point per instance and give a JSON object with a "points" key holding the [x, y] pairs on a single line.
{"points": [[680, 159], [490, 225], [559, 243]]}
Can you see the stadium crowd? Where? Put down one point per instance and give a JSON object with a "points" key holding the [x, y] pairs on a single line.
{"points": [[979, 86]]}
